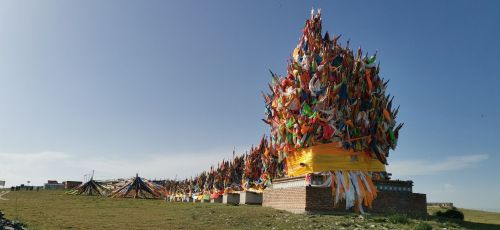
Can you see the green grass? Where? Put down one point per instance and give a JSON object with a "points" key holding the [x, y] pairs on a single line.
{"points": [[473, 219], [399, 219], [423, 226], [481, 216], [56, 210]]}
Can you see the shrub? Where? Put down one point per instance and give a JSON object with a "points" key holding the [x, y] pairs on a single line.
{"points": [[423, 226], [398, 219], [451, 214], [7, 224], [379, 219]]}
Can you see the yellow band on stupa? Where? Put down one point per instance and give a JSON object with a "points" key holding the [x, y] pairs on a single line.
{"points": [[330, 157]]}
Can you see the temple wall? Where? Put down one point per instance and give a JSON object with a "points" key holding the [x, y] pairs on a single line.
{"points": [[294, 196], [250, 198], [292, 199]]}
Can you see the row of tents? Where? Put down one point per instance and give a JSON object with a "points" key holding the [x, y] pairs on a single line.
{"points": [[136, 187], [251, 171]]}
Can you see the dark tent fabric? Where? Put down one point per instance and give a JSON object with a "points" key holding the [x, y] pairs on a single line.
{"points": [[138, 187], [90, 188]]}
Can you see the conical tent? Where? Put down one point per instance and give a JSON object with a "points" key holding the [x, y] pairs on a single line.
{"points": [[138, 187], [90, 188]]}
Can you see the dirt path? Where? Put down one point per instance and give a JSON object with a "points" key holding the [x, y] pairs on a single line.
{"points": [[2, 194]]}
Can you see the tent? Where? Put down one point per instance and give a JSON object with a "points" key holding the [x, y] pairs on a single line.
{"points": [[138, 187], [90, 188]]}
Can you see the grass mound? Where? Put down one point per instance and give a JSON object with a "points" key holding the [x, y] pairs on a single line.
{"points": [[451, 214]]}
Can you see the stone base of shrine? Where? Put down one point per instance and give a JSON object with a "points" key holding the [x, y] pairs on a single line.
{"points": [[291, 194], [250, 198], [216, 200], [231, 198]]}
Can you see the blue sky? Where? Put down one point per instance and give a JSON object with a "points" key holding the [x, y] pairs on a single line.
{"points": [[168, 88]]}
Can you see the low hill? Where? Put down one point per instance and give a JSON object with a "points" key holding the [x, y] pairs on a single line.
{"points": [[471, 217]]}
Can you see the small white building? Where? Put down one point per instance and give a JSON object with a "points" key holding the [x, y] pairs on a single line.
{"points": [[53, 184]]}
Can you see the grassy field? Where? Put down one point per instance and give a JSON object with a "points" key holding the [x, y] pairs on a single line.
{"points": [[481, 216], [56, 210], [489, 219]]}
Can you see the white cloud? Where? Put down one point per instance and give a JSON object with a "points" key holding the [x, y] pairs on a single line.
{"points": [[17, 168], [420, 167], [34, 156], [443, 193], [449, 187]]}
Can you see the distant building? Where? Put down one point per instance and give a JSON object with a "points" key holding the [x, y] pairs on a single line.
{"points": [[440, 204], [71, 184], [53, 184]]}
